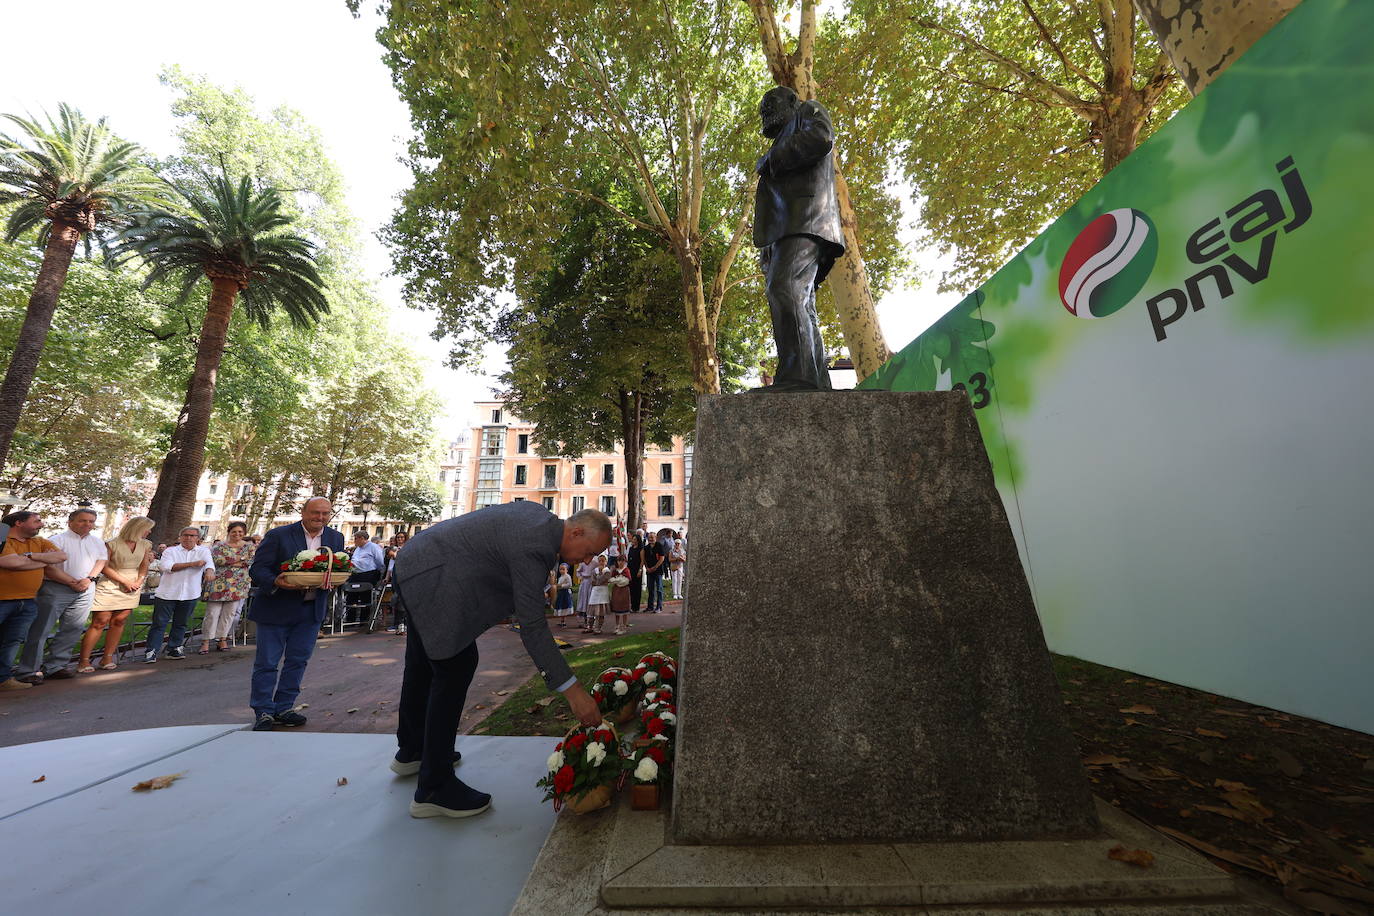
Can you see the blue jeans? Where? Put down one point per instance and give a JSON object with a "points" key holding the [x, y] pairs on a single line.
{"points": [[272, 693], [655, 592], [15, 617], [178, 612]]}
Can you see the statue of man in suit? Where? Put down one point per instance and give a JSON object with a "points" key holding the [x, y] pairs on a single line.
{"points": [[797, 231]]}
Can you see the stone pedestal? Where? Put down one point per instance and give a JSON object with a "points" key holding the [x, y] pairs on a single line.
{"points": [[869, 722], [862, 661]]}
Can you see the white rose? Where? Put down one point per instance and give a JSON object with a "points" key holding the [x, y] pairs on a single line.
{"points": [[621, 688], [647, 771], [667, 717], [596, 752], [307, 555], [650, 676], [660, 737], [555, 761]]}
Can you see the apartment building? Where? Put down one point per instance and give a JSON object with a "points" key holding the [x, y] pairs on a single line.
{"points": [[508, 468]]}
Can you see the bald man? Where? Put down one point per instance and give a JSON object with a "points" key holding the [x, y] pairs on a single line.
{"points": [[288, 616]]}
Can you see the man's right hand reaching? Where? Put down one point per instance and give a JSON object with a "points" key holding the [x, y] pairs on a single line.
{"points": [[583, 706]]}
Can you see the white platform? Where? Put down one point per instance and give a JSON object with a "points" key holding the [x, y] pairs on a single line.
{"points": [[259, 825]]}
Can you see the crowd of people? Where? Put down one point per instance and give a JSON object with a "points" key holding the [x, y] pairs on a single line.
{"points": [[646, 565], [60, 594]]}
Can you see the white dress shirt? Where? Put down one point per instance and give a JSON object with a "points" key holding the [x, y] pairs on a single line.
{"points": [[368, 557], [184, 584], [82, 552]]}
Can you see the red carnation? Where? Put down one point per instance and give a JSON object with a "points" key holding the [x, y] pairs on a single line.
{"points": [[655, 727], [563, 779], [577, 742], [607, 677], [665, 672], [558, 746], [604, 736], [657, 754], [285, 567], [308, 564]]}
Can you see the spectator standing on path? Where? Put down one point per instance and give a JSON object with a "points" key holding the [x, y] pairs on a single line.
{"points": [[119, 590], [676, 561], [187, 567], [584, 589], [563, 604], [23, 558], [288, 616], [635, 570], [601, 596], [398, 619], [64, 600], [653, 573], [457, 579], [620, 596], [229, 588]]}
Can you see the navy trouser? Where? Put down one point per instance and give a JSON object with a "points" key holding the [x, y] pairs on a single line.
{"points": [[289, 647], [433, 694], [655, 602], [178, 612]]}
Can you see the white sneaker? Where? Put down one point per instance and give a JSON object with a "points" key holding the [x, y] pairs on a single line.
{"points": [[149, 657]]}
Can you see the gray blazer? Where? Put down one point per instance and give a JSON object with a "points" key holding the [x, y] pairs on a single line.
{"points": [[466, 574]]}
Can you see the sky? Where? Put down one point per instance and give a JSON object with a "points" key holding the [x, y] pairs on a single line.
{"points": [[310, 55]]}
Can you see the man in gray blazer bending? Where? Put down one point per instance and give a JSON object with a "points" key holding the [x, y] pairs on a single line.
{"points": [[457, 579]]}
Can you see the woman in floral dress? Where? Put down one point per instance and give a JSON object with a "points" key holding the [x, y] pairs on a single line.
{"points": [[229, 588]]}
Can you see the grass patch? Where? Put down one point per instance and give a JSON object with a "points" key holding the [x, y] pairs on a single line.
{"points": [[521, 715]]}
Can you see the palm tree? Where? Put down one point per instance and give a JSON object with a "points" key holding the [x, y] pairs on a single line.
{"points": [[71, 179], [235, 236]]}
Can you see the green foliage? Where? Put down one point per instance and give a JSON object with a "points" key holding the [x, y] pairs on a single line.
{"points": [[72, 168], [223, 228], [601, 326], [414, 502]]}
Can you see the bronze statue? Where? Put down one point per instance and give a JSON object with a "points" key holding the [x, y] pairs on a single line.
{"points": [[797, 229]]}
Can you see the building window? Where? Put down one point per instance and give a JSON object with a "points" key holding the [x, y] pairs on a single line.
{"points": [[665, 472], [208, 509], [520, 478], [496, 415], [518, 499], [240, 509], [608, 505], [487, 498], [578, 504], [580, 474], [608, 474], [548, 503], [213, 487], [665, 507], [489, 473], [457, 493], [204, 532], [443, 476], [550, 476], [493, 441], [522, 444]]}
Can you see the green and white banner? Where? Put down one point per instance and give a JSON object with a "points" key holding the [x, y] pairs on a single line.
{"points": [[1174, 384]]}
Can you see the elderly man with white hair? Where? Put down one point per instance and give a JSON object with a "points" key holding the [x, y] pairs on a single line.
{"points": [[288, 616], [187, 567]]}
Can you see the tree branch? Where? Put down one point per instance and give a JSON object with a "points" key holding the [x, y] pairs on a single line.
{"points": [[1069, 67]]}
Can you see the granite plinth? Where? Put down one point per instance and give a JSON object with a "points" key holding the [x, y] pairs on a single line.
{"points": [[918, 704]]}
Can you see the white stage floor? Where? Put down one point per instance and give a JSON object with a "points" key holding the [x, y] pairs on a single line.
{"points": [[259, 825]]}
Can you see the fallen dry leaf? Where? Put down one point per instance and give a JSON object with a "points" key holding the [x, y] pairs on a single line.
{"points": [[1137, 857], [158, 782], [1104, 760], [1248, 805], [1138, 709], [1208, 733], [479, 706], [41, 779], [534, 710], [303, 706], [501, 693], [1224, 812], [1130, 721], [544, 701], [1227, 785], [354, 709], [617, 654], [343, 781], [1288, 765]]}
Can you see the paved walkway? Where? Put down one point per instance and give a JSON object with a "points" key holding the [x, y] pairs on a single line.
{"points": [[352, 685]]}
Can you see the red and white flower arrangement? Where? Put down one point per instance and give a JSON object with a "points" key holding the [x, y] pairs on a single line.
{"points": [[583, 768], [656, 670], [660, 722], [656, 695], [615, 688], [651, 764]]}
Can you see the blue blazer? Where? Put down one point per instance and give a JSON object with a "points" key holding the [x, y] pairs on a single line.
{"points": [[281, 606]]}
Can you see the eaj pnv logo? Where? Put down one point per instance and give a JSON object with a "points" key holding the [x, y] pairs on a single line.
{"points": [[1108, 263]]}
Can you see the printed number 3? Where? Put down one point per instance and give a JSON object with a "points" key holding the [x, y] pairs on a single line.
{"points": [[981, 396]]}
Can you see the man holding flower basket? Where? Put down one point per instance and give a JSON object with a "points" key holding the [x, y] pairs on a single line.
{"points": [[289, 608]]}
